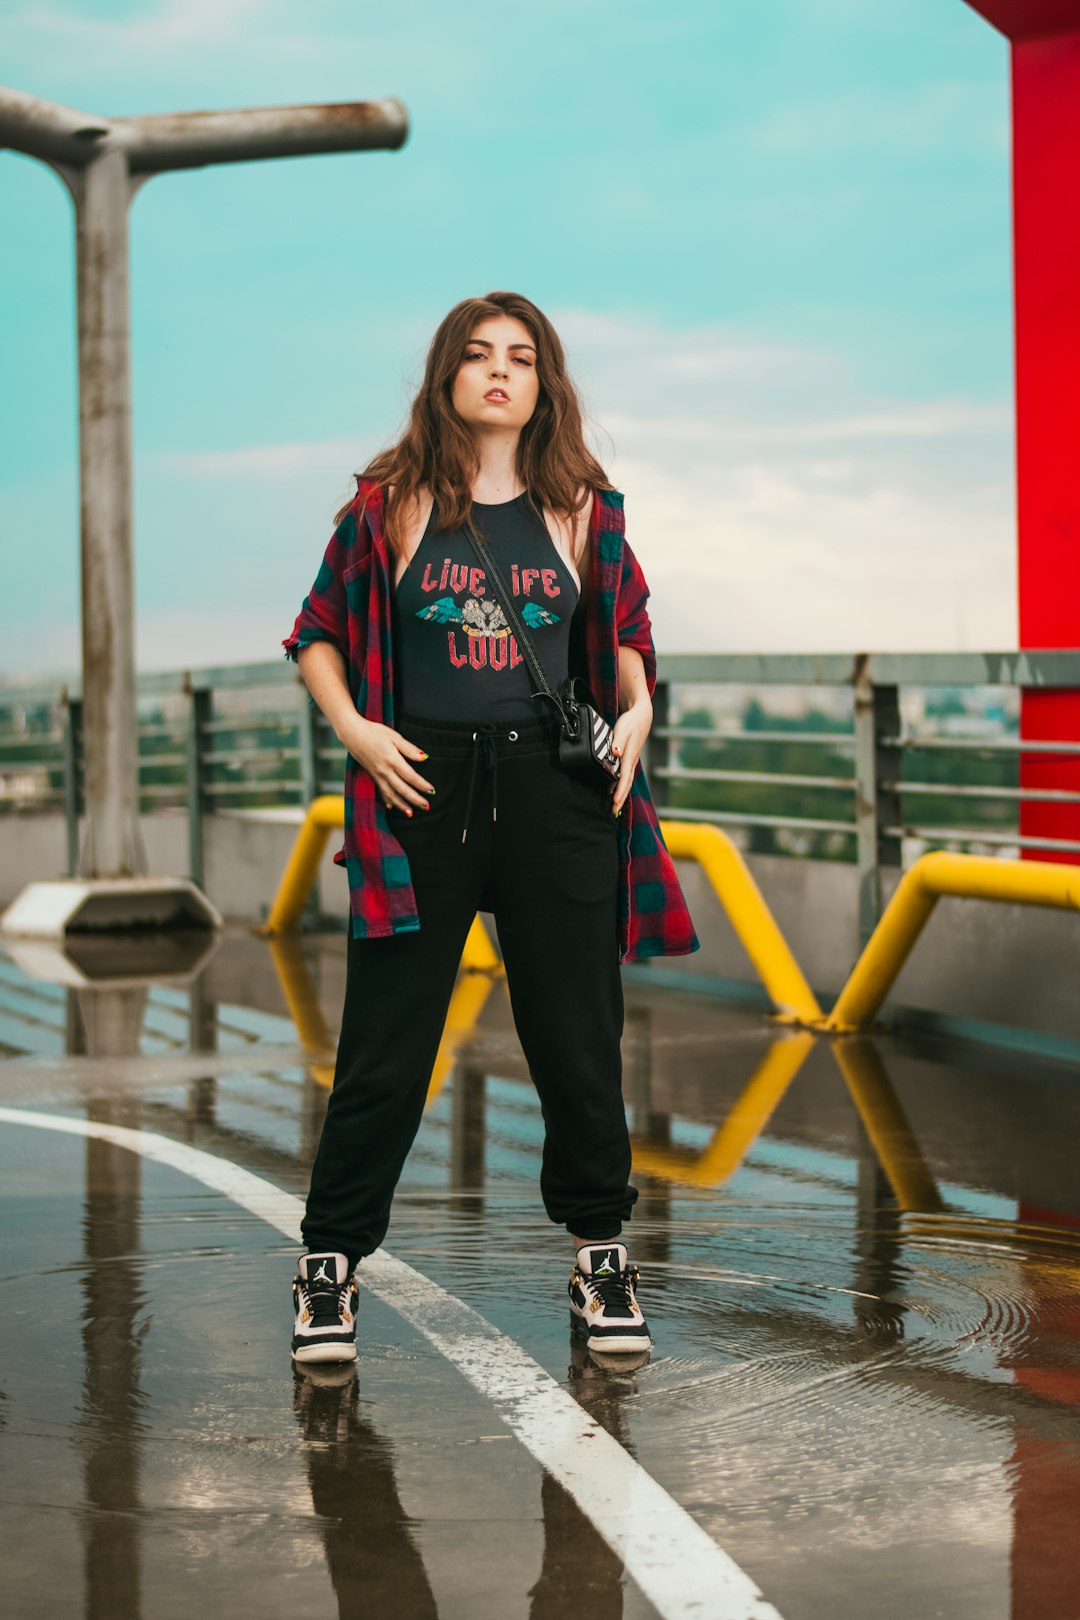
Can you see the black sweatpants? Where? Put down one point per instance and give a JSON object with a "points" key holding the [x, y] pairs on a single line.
{"points": [[547, 868]]}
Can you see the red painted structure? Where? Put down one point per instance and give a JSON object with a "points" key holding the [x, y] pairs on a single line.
{"points": [[1045, 37]]}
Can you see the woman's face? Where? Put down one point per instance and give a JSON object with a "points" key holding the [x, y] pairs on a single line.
{"points": [[499, 357]]}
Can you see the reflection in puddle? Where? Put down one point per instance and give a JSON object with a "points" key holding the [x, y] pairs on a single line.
{"points": [[111, 1422], [371, 1551], [862, 1259]]}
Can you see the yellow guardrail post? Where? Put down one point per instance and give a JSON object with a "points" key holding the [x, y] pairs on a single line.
{"points": [[972, 877], [721, 861], [748, 914], [301, 869]]}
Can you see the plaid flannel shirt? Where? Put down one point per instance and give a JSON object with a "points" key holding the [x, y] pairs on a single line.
{"points": [[349, 605]]}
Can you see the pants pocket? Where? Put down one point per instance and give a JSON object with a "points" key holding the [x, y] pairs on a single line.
{"points": [[596, 795]]}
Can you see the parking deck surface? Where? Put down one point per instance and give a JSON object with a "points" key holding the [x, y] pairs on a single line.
{"points": [[860, 1263]]}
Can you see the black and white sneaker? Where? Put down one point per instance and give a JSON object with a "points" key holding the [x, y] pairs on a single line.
{"points": [[603, 1310], [324, 1299]]}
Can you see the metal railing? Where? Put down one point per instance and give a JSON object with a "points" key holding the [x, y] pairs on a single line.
{"points": [[862, 767]]}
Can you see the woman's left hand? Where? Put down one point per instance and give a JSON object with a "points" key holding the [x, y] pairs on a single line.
{"points": [[630, 731]]}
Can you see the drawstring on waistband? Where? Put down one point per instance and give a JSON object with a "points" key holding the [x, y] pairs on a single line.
{"points": [[484, 742]]}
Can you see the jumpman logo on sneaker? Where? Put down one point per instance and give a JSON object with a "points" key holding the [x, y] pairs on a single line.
{"points": [[322, 1275], [607, 1266]]}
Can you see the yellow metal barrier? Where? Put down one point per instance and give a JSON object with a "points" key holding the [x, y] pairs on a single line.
{"points": [[714, 851], [748, 914], [972, 877], [323, 815], [1032, 883], [926, 1217]]}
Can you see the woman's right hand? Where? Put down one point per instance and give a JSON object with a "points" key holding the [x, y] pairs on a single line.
{"points": [[385, 754]]}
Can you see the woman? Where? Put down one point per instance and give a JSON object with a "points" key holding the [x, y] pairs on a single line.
{"points": [[403, 648]]}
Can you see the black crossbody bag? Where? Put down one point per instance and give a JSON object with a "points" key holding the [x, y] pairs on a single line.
{"points": [[585, 738]]}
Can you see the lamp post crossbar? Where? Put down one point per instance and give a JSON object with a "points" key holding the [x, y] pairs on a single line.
{"points": [[103, 161]]}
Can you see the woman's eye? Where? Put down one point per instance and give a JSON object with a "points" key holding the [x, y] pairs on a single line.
{"points": [[522, 360]]}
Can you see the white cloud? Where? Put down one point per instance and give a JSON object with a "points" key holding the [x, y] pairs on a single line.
{"points": [[918, 421], [279, 461], [950, 117], [774, 505], [176, 26], [814, 558], [177, 638]]}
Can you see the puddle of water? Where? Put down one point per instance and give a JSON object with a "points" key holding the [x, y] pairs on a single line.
{"points": [[861, 1264]]}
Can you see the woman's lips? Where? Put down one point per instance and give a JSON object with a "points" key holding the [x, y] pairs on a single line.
{"points": [[497, 399]]}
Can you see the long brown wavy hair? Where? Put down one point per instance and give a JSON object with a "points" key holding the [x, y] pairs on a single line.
{"points": [[438, 451]]}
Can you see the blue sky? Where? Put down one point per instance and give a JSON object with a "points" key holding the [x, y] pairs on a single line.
{"points": [[774, 234]]}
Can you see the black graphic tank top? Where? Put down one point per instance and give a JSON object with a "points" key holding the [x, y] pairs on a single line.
{"points": [[455, 656]]}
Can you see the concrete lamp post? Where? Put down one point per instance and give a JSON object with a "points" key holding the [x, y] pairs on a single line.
{"points": [[103, 162]]}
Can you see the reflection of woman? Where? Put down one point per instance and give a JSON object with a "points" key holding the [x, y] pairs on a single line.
{"points": [[374, 1563], [405, 652]]}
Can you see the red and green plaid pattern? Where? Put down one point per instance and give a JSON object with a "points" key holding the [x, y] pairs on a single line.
{"points": [[349, 605]]}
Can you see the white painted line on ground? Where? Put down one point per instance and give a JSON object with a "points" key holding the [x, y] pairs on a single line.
{"points": [[681, 1570]]}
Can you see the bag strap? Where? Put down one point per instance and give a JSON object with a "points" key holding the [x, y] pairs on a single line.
{"points": [[503, 597]]}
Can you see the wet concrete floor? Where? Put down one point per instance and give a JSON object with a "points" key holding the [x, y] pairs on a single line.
{"points": [[860, 1263]]}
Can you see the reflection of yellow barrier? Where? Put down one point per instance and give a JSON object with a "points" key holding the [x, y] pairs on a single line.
{"points": [[737, 1133], [748, 914], [974, 877], [471, 990], [872, 1093], [891, 1137], [302, 1000]]}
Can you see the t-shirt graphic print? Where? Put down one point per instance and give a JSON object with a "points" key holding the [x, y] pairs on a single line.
{"points": [[455, 655]]}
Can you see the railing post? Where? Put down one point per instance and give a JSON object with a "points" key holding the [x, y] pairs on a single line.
{"points": [[200, 709], [659, 752], [877, 720], [72, 746], [306, 741]]}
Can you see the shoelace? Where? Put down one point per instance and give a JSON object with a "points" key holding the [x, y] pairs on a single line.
{"points": [[615, 1289], [325, 1304]]}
